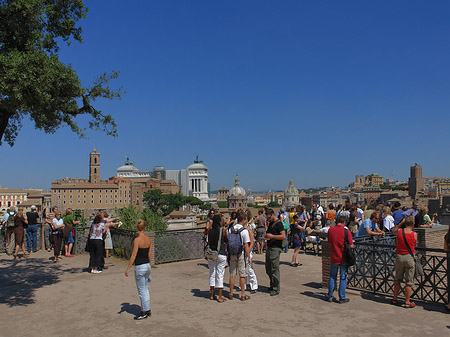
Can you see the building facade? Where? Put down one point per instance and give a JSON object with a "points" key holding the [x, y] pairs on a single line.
{"points": [[291, 196], [237, 197]]}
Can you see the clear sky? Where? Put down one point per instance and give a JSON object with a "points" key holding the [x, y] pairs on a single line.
{"points": [[314, 91]]}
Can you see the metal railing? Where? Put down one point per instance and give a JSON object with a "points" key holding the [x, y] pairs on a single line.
{"points": [[375, 269], [179, 245]]}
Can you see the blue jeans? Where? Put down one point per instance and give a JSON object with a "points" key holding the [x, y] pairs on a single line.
{"points": [[286, 249], [31, 235], [342, 281], [142, 276]]}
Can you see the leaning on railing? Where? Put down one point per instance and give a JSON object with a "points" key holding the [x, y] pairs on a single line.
{"points": [[375, 268]]}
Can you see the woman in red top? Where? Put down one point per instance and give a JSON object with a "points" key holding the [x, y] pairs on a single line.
{"points": [[404, 261]]}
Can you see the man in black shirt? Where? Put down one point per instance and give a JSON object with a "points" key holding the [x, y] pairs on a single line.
{"points": [[275, 236]]}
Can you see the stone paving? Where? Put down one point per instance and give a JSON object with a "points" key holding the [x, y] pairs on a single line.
{"points": [[40, 298]]}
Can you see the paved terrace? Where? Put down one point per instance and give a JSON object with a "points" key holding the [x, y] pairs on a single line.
{"points": [[40, 298]]}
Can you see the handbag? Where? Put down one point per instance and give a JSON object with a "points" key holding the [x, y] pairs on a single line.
{"points": [[418, 270], [349, 252], [212, 254]]}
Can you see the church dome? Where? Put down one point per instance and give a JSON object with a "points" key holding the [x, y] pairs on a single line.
{"points": [[237, 189], [291, 190]]}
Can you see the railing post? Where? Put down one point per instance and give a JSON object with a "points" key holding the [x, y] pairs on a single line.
{"points": [[448, 278]]}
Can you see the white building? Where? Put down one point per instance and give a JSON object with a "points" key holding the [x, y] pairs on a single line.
{"points": [[193, 180], [291, 196]]}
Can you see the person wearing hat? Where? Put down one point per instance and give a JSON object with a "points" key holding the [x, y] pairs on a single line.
{"points": [[32, 229]]}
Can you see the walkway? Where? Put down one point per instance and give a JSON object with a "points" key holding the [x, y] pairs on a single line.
{"points": [[64, 300]]}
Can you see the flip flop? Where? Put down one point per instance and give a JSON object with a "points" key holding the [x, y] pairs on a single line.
{"points": [[223, 300], [230, 297], [244, 298], [409, 305], [213, 298]]}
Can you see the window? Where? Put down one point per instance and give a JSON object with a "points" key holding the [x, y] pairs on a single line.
{"points": [[17, 203], [9, 203], [95, 170]]}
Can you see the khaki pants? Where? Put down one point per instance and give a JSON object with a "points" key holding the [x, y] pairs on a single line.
{"points": [[10, 241], [273, 267]]}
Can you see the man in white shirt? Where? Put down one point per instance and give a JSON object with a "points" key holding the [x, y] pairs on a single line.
{"points": [[236, 249]]}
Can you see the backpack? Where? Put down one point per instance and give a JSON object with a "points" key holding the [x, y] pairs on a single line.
{"points": [[284, 221], [235, 244], [10, 221]]}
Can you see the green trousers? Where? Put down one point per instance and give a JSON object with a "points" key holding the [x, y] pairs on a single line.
{"points": [[273, 267]]}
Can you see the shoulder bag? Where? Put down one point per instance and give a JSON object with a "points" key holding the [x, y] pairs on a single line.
{"points": [[349, 253], [418, 270], [212, 254]]}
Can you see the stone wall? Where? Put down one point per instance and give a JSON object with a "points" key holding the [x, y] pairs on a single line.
{"points": [[432, 237]]}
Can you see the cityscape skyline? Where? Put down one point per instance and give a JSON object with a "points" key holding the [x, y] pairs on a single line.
{"points": [[313, 92]]}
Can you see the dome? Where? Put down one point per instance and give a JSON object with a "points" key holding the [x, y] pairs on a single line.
{"points": [[291, 190], [127, 168], [237, 189], [197, 166]]}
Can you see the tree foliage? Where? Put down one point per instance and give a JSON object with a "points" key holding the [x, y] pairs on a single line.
{"points": [[33, 80], [130, 216], [156, 201]]}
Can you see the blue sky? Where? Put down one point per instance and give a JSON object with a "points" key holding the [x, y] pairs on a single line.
{"points": [[313, 91]]}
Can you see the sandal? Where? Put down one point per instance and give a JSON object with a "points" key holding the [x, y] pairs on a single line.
{"points": [[409, 305], [213, 298], [244, 298], [221, 300], [393, 302], [230, 297]]}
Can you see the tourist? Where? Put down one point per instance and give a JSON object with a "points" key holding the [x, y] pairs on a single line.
{"points": [[275, 236], [57, 228], [217, 267], [316, 217], [239, 245], [426, 218], [260, 231], [404, 261], [96, 232], [447, 250], [419, 221], [388, 221], [284, 218], [331, 215], [353, 221], [20, 222], [8, 222], [339, 210], [336, 239], [303, 217], [69, 237], [141, 257], [49, 228], [231, 220], [208, 221], [397, 214], [32, 229], [252, 280], [370, 227], [109, 222], [359, 213], [296, 235]]}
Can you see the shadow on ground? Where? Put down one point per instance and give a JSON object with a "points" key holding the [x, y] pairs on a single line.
{"points": [[20, 279], [132, 309], [429, 306]]}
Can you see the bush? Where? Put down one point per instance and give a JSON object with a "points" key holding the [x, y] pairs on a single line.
{"points": [[130, 216]]}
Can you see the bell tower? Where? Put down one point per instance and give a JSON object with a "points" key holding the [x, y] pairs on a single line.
{"points": [[94, 166]]}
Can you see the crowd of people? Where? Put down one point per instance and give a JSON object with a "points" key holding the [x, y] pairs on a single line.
{"points": [[232, 243], [233, 240]]}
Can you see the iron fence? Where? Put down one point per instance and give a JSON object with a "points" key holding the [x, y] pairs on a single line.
{"points": [[122, 240], [179, 245], [375, 268]]}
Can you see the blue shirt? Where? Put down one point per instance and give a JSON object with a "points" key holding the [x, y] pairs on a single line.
{"points": [[411, 211], [366, 224], [398, 216]]}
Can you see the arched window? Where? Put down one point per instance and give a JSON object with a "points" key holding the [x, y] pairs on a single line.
{"points": [[95, 170], [95, 160]]}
